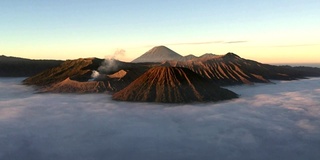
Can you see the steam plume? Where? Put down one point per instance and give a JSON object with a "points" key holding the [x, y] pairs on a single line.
{"points": [[95, 74], [109, 64]]}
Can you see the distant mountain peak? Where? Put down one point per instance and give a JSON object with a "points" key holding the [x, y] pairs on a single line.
{"points": [[161, 50], [231, 54], [158, 54], [208, 54], [189, 57], [161, 46]]}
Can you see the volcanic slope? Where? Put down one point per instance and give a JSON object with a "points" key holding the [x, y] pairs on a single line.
{"points": [[158, 54], [75, 76], [231, 69], [172, 85], [79, 70]]}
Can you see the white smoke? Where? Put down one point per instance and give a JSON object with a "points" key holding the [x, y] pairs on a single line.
{"points": [[109, 64], [95, 74]]}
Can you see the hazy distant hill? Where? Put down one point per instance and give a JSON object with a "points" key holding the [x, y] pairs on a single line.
{"points": [[21, 67]]}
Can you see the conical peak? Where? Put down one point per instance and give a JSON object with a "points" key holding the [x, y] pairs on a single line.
{"points": [[162, 50], [158, 54], [161, 46], [230, 56]]}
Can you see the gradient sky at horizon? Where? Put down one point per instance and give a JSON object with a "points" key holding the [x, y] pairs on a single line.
{"points": [[273, 31]]}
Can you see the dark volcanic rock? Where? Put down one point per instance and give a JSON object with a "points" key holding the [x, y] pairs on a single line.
{"points": [[172, 85]]}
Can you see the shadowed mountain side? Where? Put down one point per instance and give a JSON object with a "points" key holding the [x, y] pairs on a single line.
{"points": [[172, 85], [158, 54], [79, 69], [21, 67]]}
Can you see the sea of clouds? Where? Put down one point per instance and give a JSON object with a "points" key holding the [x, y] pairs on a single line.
{"points": [[269, 121]]}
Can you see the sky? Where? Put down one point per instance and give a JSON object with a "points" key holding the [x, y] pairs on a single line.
{"points": [[273, 31], [269, 121]]}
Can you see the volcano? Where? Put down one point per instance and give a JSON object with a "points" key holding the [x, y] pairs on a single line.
{"points": [[158, 54], [74, 76], [172, 85]]}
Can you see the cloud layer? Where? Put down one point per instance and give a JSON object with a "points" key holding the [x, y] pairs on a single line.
{"points": [[269, 121]]}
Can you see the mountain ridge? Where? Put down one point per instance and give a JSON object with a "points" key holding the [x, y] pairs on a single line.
{"points": [[23, 67]]}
